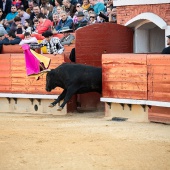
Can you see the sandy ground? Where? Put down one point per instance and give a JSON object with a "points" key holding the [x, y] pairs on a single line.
{"points": [[85, 141]]}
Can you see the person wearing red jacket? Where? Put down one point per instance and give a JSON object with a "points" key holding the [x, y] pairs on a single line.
{"points": [[44, 24]]}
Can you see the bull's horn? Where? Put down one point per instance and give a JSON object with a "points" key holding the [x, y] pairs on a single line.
{"points": [[45, 71]]}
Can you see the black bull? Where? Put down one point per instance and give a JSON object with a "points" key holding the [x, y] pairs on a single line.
{"points": [[74, 79]]}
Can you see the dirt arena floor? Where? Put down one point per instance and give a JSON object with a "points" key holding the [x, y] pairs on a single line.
{"points": [[84, 141]]}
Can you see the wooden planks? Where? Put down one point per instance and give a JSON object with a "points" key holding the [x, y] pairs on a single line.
{"points": [[159, 114], [13, 78], [5, 73], [124, 76], [158, 77]]}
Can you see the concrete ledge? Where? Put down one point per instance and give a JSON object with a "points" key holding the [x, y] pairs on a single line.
{"points": [[28, 96], [138, 102]]}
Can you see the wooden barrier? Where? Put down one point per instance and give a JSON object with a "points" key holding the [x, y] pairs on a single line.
{"points": [[143, 77]]}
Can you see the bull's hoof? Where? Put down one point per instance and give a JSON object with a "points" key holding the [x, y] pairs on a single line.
{"points": [[51, 105], [59, 108]]}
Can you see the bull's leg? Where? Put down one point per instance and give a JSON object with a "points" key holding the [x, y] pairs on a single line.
{"points": [[60, 97], [70, 92]]}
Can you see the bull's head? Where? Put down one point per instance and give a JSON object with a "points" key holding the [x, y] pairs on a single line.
{"points": [[50, 80]]}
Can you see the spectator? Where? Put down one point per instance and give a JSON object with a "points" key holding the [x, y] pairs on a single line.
{"points": [[44, 24], [109, 4], [78, 9], [2, 30], [17, 3], [23, 15], [10, 16], [46, 3], [86, 5], [55, 22], [10, 39], [5, 5], [35, 24], [53, 44], [112, 15], [68, 38], [47, 13], [69, 8], [2, 16], [28, 26], [57, 4], [167, 49], [59, 10], [97, 6], [28, 39], [16, 26], [65, 21], [81, 21], [36, 12], [93, 18], [29, 10]]}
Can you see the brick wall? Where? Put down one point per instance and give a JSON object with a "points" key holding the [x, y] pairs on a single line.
{"points": [[125, 13]]}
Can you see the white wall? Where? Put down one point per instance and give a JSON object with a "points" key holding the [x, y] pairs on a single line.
{"points": [[141, 43]]}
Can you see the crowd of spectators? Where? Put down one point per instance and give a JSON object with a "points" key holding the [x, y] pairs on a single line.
{"points": [[55, 16], [38, 16]]}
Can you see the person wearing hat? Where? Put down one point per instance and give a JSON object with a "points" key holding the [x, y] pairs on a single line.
{"points": [[81, 20], [167, 49], [52, 43], [68, 38]]}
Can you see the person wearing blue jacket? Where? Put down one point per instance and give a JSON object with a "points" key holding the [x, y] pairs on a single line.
{"points": [[97, 6], [65, 21]]}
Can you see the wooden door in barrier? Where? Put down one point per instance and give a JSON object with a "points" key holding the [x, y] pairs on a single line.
{"points": [[93, 41]]}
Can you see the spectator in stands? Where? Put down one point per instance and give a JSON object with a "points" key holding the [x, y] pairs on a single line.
{"points": [[10, 39], [109, 4], [93, 18], [47, 13], [59, 10], [29, 10], [86, 5], [46, 3], [2, 16], [10, 16], [28, 26], [36, 12], [34, 27], [65, 21], [68, 38], [5, 5], [112, 15], [97, 6], [81, 21], [69, 8], [102, 15], [17, 26], [28, 39], [108, 11], [44, 24], [78, 9], [55, 23], [53, 44], [167, 49], [23, 15], [57, 4], [2, 29], [17, 3]]}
